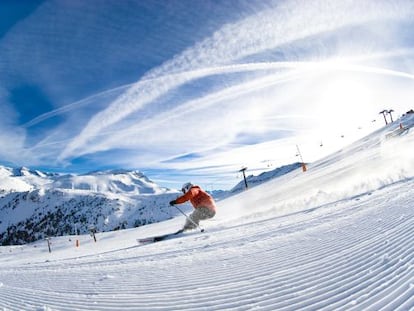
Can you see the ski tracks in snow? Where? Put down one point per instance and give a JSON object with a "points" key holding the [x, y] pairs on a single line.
{"points": [[356, 254]]}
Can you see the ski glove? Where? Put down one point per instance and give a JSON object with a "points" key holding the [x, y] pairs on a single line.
{"points": [[172, 202]]}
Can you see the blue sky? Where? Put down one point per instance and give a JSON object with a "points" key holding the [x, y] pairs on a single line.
{"points": [[193, 90]]}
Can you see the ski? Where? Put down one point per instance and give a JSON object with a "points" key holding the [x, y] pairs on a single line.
{"points": [[159, 237]]}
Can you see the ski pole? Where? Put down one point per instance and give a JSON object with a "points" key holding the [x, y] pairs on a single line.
{"points": [[189, 218]]}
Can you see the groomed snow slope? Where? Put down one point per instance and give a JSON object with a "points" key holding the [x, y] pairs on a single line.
{"points": [[338, 237]]}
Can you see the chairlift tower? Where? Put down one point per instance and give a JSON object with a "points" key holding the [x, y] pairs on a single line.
{"points": [[304, 169], [384, 112], [243, 170], [390, 113]]}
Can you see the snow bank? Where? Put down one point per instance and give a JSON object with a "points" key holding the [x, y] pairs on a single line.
{"points": [[365, 166]]}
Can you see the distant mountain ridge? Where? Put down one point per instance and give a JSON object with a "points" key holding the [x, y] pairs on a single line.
{"points": [[35, 204], [116, 181], [253, 181]]}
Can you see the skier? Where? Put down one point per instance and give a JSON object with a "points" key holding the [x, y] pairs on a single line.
{"points": [[203, 203]]}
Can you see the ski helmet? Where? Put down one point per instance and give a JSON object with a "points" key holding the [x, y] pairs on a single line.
{"points": [[186, 187]]}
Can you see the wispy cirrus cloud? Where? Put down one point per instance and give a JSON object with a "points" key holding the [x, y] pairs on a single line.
{"points": [[266, 30], [248, 83]]}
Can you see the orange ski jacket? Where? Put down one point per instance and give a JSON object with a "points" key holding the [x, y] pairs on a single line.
{"points": [[198, 198]]}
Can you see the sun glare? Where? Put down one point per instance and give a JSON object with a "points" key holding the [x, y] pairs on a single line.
{"points": [[344, 101]]}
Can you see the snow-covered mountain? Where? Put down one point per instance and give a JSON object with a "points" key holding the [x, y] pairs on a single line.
{"points": [[337, 237], [253, 181], [114, 181], [34, 204]]}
